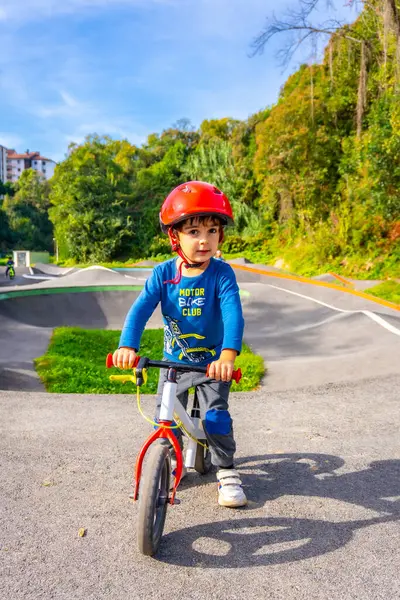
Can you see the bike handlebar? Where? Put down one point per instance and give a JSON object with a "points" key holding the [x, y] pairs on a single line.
{"points": [[142, 362]]}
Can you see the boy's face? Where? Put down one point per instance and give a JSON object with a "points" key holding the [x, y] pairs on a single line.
{"points": [[199, 240]]}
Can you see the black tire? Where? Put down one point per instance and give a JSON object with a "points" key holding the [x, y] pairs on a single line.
{"points": [[202, 463], [153, 498]]}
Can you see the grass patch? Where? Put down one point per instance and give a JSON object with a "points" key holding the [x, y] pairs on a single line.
{"points": [[388, 290], [75, 363]]}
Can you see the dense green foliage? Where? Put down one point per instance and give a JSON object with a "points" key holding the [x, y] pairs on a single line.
{"points": [[24, 218], [313, 180], [6, 188], [75, 362]]}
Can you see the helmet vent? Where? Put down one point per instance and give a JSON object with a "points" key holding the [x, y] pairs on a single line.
{"points": [[217, 191]]}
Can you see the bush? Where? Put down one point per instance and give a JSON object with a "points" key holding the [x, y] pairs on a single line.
{"points": [[237, 243], [159, 246]]}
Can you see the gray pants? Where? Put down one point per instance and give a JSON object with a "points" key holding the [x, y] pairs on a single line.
{"points": [[217, 422]]}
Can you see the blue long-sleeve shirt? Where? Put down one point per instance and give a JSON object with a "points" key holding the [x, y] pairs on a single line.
{"points": [[202, 315]]}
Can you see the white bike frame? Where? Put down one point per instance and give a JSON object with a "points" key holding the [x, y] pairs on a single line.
{"points": [[170, 406]]}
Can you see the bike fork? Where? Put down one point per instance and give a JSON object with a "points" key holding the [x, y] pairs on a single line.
{"points": [[163, 432]]}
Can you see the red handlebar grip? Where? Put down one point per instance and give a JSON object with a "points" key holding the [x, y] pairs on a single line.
{"points": [[109, 361], [236, 375]]}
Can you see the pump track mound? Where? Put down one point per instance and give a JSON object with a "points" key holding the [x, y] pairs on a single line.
{"points": [[307, 331]]}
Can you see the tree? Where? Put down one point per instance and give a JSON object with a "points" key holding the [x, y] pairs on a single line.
{"points": [[5, 232], [89, 197], [27, 212], [213, 162], [6, 188], [152, 186], [220, 129]]}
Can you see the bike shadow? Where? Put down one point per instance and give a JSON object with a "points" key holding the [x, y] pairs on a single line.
{"points": [[241, 541]]}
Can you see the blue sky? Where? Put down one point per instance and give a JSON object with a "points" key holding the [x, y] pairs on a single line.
{"points": [[128, 68]]}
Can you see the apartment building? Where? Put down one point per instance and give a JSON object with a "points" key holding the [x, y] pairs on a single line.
{"points": [[17, 163], [3, 164]]}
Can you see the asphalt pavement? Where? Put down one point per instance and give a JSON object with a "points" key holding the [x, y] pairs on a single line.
{"points": [[318, 450]]}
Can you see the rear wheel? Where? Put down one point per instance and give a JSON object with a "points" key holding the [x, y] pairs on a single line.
{"points": [[153, 498], [202, 463]]}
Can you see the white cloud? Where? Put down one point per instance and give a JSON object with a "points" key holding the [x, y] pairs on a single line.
{"points": [[69, 100], [122, 129], [69, 107], [27, 10], [10, 140], [76, 119]]}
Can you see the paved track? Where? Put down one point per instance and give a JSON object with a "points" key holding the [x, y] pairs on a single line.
{"points": [[318, 446]]}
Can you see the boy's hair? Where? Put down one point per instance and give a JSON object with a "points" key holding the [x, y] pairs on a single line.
{"points": [[199, 219]]}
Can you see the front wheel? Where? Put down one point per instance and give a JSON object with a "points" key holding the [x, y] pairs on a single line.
{"points": [[153, 498]]}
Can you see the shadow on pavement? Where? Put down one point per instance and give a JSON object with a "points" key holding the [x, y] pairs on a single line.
{"points": [[14, 380], [244, 542]]}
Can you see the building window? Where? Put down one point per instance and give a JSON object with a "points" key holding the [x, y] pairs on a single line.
{"points": [[43, 163], [19, 170]]}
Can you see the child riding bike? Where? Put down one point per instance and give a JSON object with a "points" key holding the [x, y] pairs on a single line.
{"points": [[203, 321], [9, 266]]}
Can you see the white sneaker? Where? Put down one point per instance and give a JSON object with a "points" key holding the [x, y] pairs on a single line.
{"points": [[230, 491]]}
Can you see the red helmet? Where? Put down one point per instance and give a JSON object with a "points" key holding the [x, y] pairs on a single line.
{"points": [[194, 199]]}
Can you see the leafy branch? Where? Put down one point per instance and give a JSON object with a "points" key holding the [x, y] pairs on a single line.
{"points": [[300, 24]]}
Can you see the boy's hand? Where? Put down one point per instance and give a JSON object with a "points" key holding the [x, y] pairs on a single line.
{"points": [[222, 369], [124, 358]]}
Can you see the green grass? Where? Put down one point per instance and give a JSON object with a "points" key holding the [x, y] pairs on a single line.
{"points": [[75, 363], [388, 290]]}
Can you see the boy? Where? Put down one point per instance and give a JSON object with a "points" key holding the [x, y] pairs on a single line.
{"points": [[203, 322]]}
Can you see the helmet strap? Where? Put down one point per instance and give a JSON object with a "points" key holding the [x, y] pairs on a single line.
{"points": [[173, 239], [185, 261]]}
